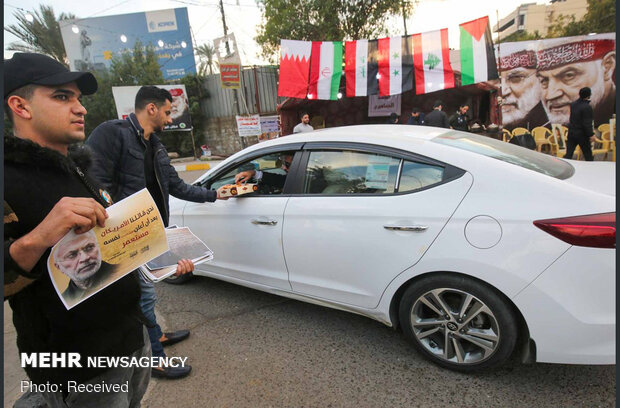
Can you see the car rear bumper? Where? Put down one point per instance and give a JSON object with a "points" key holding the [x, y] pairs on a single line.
{"points": [[570, 309]]}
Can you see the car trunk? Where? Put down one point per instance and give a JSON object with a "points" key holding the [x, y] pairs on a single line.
{"points": [[599, 177]]}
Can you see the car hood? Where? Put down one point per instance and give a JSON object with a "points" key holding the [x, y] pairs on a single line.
{"points": [[599, 177]]}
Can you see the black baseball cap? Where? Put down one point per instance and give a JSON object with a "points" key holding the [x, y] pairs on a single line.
{"points": [[29, 68]]}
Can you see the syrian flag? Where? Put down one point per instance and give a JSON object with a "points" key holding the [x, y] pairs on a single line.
{"points": [[383, 66], [294, 68], [395, 60], [325, 70], [477, 53], [431, 60]]}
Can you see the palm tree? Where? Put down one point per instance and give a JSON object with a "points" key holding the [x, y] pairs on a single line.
{"points": [[41, 35], [206, 54]]}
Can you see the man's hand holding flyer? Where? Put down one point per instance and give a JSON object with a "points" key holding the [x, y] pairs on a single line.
{"points": [[80, 265]]}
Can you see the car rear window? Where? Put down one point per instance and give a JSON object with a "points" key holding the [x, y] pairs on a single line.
{"points": [[509, 153]]}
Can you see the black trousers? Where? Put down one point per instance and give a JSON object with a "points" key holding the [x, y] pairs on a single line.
{"points": [[584, 144]]}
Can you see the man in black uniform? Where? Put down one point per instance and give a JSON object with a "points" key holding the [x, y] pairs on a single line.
{"points": [[437, 117], [458, 121], [580, 130]]}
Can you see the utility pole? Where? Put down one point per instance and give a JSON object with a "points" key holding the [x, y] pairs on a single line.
{"points": [[235, 95], [402, 4]]}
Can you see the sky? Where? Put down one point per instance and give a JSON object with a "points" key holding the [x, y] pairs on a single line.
{"points": [[244, 16]]}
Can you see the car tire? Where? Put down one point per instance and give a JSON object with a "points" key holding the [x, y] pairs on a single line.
{"points": [[179, 280], [458, 322]]}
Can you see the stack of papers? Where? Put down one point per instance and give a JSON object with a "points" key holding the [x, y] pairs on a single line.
{"points": [[183, 244]]}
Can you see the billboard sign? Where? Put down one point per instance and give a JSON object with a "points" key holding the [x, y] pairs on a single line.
{"points": [[540, 79], [125, 97], [91, 43]]}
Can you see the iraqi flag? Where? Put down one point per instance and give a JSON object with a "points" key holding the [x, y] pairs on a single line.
{"points": [[325, 70], [294, 68], [431, 60], [477, 53], [383, 66]]}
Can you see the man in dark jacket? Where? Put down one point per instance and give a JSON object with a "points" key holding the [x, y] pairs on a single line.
{"points": [[580, 130], [458, 121], [129, 157], [437, 117], [416, 118], [47, 193]]}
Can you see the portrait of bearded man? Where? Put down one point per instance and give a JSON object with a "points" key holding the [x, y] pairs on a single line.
{"points": [[567, 65], [520, 91]]}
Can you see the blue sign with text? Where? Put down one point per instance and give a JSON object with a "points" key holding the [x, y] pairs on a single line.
{"points": [[91, 43]]}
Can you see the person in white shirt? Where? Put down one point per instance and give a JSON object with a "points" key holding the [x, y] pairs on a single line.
{"points": [[304, 126]]}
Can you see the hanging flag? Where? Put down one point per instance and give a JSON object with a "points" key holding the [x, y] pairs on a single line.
{"points": [[383, 66], [325, 70], [477, 53], [431, 60], [395, 61], [294, 68], [356, 67]]}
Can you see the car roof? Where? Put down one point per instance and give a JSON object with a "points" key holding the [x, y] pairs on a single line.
{"points": [[373, 134]]}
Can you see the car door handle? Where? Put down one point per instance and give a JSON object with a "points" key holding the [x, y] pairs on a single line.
{"points": [[264, 222], [414, 228]]}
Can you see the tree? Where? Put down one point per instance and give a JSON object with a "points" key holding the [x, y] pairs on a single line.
{"points": [[324, 20], [42, 35], [600, 18], [136, 67], [206, 54], [521, 35]]}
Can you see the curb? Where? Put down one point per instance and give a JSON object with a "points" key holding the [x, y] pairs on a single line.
{"points": [[191, 167]]}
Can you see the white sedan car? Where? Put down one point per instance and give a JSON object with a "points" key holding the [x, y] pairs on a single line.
{"points": [[476, 248]]}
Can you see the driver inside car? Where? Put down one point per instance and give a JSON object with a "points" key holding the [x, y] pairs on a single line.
{"points": [[264, 177]]}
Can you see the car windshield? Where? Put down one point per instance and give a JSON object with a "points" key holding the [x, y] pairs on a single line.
{"points": [[510, 153]]}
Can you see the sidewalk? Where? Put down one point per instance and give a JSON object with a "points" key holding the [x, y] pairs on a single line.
{"points": [[191, 164]]}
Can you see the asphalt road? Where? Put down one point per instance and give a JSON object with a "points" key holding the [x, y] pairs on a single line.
{"points": [[252, 349]]}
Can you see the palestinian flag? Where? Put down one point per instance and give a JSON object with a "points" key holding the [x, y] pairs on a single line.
{"points": [[431, 60], [325, 70], [477, 53], [383, 66], [294, 68]]}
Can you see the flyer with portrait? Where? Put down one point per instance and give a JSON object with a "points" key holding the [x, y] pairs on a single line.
{"points": [[80, 265]]}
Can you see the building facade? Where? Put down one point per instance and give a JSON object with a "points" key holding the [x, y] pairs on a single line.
{"points": [[533, 17]]}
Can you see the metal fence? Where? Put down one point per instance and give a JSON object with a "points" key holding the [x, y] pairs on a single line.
{"points": [[258, 93]]}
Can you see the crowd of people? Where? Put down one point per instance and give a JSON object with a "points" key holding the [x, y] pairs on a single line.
{"points": [[437, 117]]}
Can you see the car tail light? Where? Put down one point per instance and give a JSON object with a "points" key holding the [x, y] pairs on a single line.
{"points": [[596, 231]]}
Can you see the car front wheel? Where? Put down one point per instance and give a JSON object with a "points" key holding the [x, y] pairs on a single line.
{"points": [[458, 322]]}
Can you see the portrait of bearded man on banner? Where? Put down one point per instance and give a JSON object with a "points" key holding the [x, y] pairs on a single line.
{"points": [[520, 91], [567, 65]]}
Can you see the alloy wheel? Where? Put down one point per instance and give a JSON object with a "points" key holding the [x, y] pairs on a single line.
{"points": [[455, 326]]}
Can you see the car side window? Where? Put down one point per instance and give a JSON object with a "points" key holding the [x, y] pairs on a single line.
{"points": [[272, 168], [416, 176], [349, 172]]}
